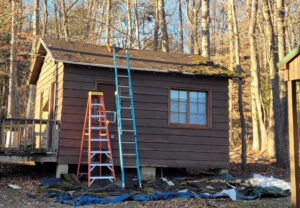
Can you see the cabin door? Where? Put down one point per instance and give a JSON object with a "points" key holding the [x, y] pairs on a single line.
{"points": [[109, 95]]}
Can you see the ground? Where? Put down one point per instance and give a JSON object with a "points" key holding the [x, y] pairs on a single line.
{"points": [[30, 195]]}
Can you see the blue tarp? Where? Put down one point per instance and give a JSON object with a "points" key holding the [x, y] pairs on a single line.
{"points": [[87, 200]]}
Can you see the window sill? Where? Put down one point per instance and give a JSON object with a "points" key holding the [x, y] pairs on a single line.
{"points": [[174, 126]]}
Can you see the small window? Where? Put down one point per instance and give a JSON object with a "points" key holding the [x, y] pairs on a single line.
{"points": [[188, 108]]}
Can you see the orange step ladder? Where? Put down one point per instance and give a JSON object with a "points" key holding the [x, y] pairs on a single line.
{"points": [[95, 148]]}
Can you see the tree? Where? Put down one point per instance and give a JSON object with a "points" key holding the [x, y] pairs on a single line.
{"points": [[193, 19], [45, 18], [108, 21], [181, 41], [163, 26], [234, 37], [35, 34], [65, 19], [205, 50], [258, 113], [273, 130], [129, 26], [282, 156], [136, 25], [156, 26], [11, 105]]}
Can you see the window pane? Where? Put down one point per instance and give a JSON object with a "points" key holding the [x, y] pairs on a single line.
{"points": [[182, 95], [193, 119], [193, 107], [174, 106], [193, 96], [182, 107], [201, 108], [174, 95], [202, 97], [174, 117], [202, 119], [182, 118]]}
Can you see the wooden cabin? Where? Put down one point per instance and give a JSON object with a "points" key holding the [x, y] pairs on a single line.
{"points": [[181, 102], [290, 67]]}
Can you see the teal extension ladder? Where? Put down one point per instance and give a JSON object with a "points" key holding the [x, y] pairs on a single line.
{"points": [[127, 135]]}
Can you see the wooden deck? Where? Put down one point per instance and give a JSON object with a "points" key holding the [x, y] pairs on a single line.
{"points": [[24, 140]]}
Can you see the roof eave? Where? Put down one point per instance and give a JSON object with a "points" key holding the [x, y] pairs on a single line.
{"points": [[283, 64], [145, 69], [37, 62]]}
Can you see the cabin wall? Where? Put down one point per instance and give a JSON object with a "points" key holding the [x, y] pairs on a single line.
{"points": [[293, 68], [159, 145], [49, 87]]}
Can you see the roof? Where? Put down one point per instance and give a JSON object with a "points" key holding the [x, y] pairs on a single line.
{"points": [[145, 60], [289, 57]]}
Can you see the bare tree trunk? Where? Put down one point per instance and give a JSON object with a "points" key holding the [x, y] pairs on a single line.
{"points": [[156, 26], [255, 92], [57, 24], [100, 28], [255, 128], [234, 37], [36, 18], [65, 21], [195, 30], [35, 33], [181, 41], [89, 19], [163, 26], [129, 24], [45, 18], [11, 110], [282, 155], [108, 21], [205, 50], [231, 84], [273, 131], [193, 19], [136, 25]]}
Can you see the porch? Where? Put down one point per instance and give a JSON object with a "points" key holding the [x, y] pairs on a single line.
{"points": [[28, 140]]}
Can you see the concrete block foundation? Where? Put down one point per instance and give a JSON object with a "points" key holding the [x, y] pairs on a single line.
{"points": [[61, 169], [148, 173]]}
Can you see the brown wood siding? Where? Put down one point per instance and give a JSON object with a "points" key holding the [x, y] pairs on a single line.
{"points": [[159, 144]]}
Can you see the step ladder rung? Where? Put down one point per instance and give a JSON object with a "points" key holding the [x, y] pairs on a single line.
{"points": [[96, 128], [129, 166], [124, 86], [123, 76], [97, 116], [127, 97], [127, 142], [96, 104], [102, 177], [101, 164], [98, 140], [99, 152]]}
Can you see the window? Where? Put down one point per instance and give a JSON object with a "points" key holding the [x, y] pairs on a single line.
{"points": [[188, 108]]}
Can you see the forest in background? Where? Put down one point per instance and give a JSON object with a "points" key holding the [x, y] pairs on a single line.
{"points": [[247, 36]]}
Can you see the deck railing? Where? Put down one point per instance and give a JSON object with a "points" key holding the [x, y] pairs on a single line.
{"points": [[28, 135]]}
